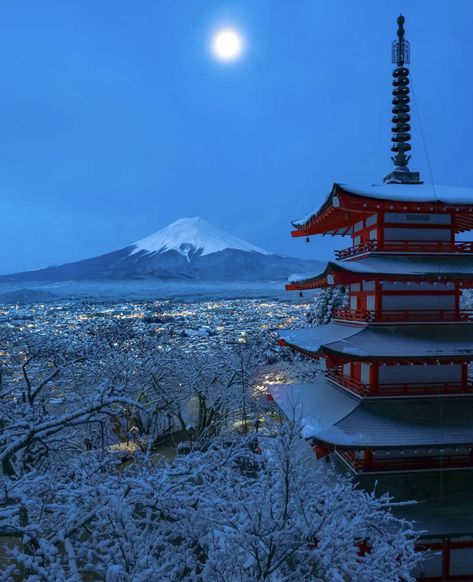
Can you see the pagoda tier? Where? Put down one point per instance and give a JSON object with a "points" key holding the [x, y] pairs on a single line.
{"points": [[393, 288], [380, 361], [386, 343], [445, 516], [373, 210], [382, 435], [419, 269]]}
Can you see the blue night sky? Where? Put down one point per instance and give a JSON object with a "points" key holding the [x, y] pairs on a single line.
{"points": [[115, 119]]}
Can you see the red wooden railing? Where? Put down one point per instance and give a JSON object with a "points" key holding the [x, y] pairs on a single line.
{"points": [[400, 389], [404, 315], [347, 382], [405, 246], [406, 463]]}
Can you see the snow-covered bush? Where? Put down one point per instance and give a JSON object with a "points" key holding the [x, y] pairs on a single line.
{"points": [[230, 513], [325, 301]]}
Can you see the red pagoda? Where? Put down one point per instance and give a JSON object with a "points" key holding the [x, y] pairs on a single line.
{"points": [[394, 402]]}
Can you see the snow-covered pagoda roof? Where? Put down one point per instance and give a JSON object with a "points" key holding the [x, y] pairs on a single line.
{"points": [[387, 267], [383, 342], [450, 514], [331, 416], [347, 204]]}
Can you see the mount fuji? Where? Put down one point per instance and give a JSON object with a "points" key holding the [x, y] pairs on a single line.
{"points": [[189, 248]]}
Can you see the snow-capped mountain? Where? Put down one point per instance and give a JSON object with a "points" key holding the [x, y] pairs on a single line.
{"points": [[189, 248], [193, 236]]}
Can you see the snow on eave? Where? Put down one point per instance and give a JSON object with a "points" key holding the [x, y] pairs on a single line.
{"points": [[308, 218], [420, 193], [318, 405], [305, 277]]}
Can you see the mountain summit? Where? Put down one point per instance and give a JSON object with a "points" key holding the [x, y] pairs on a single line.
{"points": [[190, 236], [189, 248]]}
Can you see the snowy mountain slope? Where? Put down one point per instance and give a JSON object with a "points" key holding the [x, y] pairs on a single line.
{"points": [[188, 249], [193, 235]]}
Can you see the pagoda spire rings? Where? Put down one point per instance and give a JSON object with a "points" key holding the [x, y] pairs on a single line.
{"points": [[401, 110]]}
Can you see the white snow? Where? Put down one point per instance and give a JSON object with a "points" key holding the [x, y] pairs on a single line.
{"points": [[414, 193], [319, 405], [298, 278], [193, 235], [458, 265], [312, 339], [401, 193]]}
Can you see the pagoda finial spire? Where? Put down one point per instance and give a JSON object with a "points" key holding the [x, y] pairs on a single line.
{"points": [[401, 110]]}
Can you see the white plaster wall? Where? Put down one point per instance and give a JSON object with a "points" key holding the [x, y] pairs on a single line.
{"points": [[365, 373], [401, 218], [419, 302], [413, 286], [430, 373], [417, 234], [461, 561]]}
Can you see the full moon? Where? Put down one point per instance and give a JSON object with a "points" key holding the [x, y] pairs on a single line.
{"points": [[227, 44]]}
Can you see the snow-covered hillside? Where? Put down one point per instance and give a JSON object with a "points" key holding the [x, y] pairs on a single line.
{"points": [[193, 235]]}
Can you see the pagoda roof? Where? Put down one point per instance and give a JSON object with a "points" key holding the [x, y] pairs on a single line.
{"points": [[332, 416], [444, 501], [387, 267], [347, 204], [383, 342]]}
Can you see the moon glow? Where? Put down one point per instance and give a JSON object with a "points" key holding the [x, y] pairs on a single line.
{"points": [[227, 44]]}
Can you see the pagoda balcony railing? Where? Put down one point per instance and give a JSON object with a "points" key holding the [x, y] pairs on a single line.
{"points": [[407, 463], [405, 246], [347, 382], [404, 315], [400, 389]]}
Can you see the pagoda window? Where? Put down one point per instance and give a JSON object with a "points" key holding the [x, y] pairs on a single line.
{"points": [[359, 226], [431, 373], [460, 561], [365, 373], [402, 233], [365, 231], [371, 220], [419, 302], [415, 286], [370, 302], [399, 218]]}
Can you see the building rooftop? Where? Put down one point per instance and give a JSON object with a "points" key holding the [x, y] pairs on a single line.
{"points": [[432, 268], [347, 204], [444, 502], [383, 342], [331, 416]]}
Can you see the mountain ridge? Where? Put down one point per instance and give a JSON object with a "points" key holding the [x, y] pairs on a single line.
{"points": [[187, 249]]}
